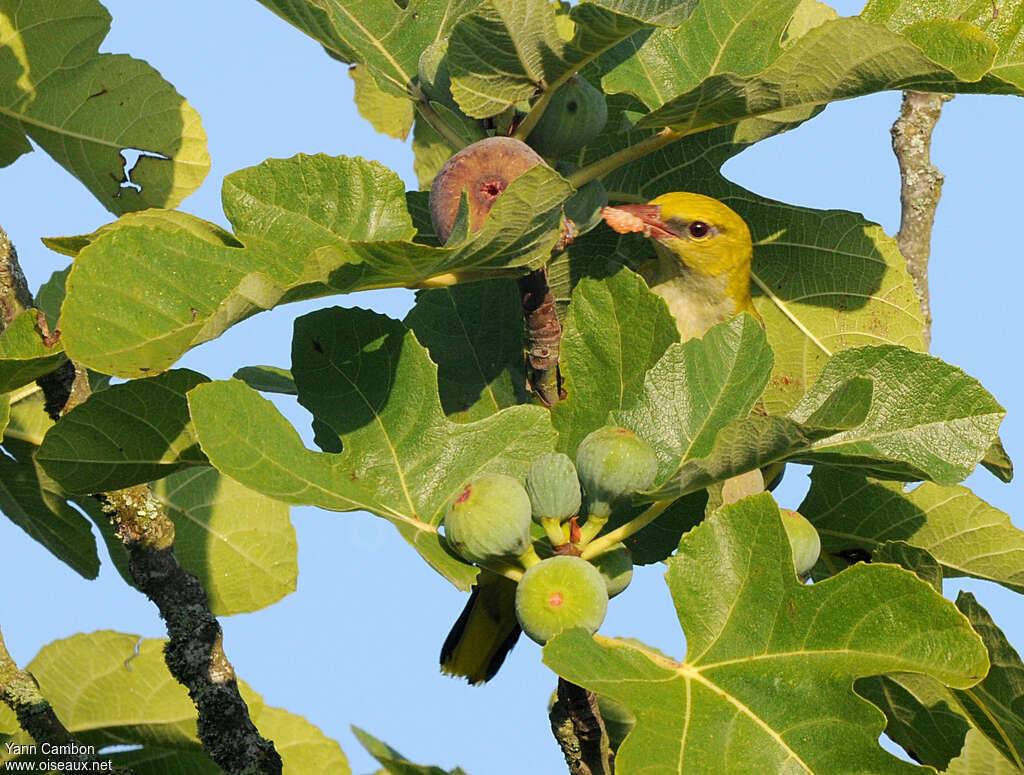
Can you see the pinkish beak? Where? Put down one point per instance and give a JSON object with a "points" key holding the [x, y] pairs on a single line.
{"points": [[644, 219]]}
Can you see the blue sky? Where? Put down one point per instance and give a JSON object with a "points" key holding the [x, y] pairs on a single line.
{"points": [[357, 643]]}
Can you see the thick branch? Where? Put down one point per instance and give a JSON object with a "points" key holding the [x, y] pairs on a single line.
{"points": [[194, 652], [579, 729], [20, 692], [544, 336], [921, 187], [14, 293]]}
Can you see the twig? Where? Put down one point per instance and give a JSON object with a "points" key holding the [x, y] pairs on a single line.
{"points": [[20, 692], [194, 651], [921, 187], [426, 111], [579, 729], [613, 161]]}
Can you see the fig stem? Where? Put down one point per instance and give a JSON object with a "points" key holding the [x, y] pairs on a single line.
{"points": [[448, 279], [536, 111], [529, 558], [505, 569], [555, 532], [613, 161], [437, 123], [622, 532], [593, 526]]}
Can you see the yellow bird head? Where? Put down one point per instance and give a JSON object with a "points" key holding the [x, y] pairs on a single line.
{"points": [[702, 233], [704, 254]]}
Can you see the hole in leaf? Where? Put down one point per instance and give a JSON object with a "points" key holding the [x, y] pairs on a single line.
{"points": [[131, 157]]}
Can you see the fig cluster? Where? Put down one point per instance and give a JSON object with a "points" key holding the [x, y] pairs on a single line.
{"points": [[489, 523]]}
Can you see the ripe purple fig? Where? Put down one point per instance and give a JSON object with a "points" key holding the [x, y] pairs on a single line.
{"points": [[484, 170]]}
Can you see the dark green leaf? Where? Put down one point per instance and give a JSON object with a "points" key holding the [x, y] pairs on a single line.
{"points": [[996, 705], [267, 379], [474, 334], [922, 715], [997, 460], [50, 296], [392, 761], [913, 558], [46, 516]]}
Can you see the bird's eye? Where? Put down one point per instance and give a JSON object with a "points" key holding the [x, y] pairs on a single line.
{"points": [[698, 229]]}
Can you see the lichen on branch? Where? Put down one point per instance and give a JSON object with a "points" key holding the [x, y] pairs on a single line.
{"points": [[921, 187]]}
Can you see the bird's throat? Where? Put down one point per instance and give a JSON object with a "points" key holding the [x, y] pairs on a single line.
{"points": [[697, 301]]}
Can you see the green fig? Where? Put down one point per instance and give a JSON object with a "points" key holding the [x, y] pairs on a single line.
{"points": [[483, 169], [559, 593], [803, 539], [489, 520], [615, 567], [554, 488], [575, 115], [613, 463]]}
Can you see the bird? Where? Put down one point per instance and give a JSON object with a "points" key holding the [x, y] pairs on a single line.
{"points": [[703, 252]]}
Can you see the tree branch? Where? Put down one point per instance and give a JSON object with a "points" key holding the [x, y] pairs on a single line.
{"points": [[20, 692], [921, 187], [194, 652], [14, 293], [543, 334], [579, 729]]}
